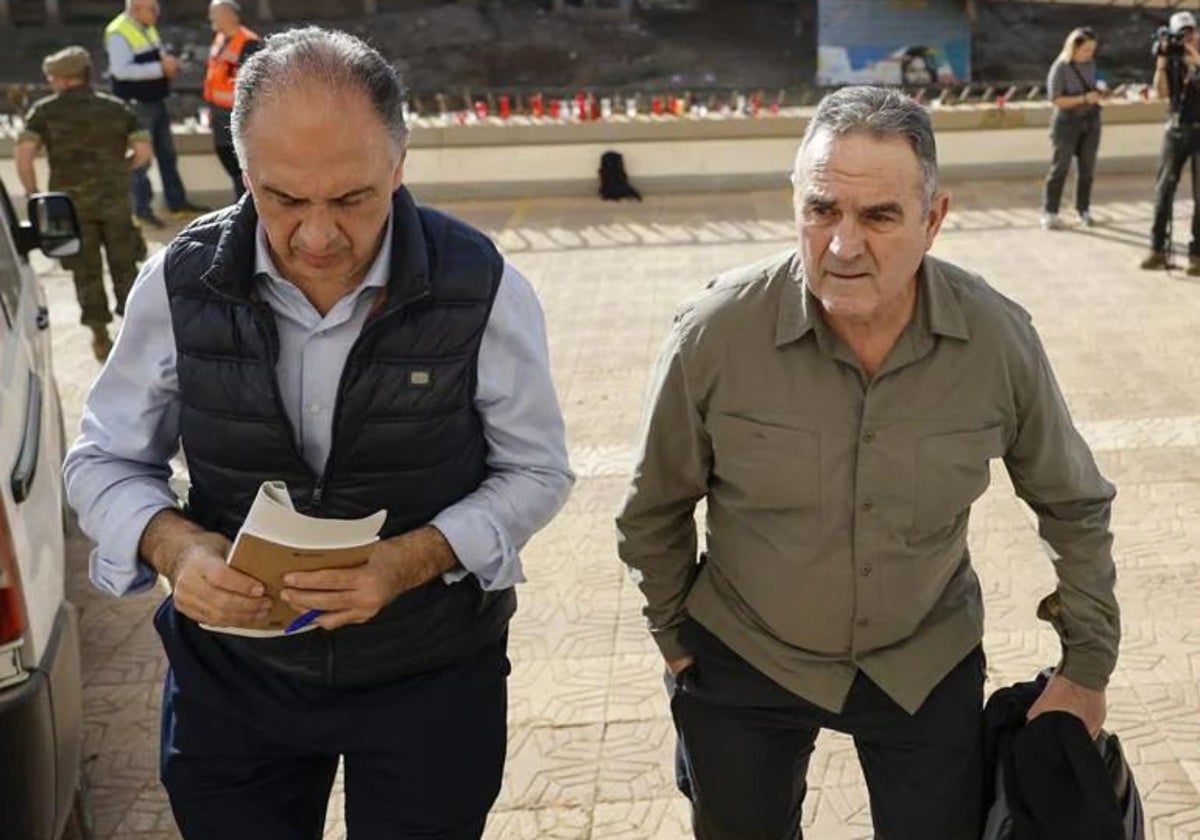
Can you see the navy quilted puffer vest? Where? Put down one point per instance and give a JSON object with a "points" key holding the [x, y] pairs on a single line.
{"points": [[406, 433]]}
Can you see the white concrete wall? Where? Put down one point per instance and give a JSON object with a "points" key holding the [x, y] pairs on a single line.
{"points": [[457, 171], [499, 161], [202, 175]]}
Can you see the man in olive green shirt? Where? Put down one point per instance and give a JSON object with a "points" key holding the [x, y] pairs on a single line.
{"points": [[837, 406]]}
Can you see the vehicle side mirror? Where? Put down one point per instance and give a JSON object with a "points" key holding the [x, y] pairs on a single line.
{"points": [[52, 226]]}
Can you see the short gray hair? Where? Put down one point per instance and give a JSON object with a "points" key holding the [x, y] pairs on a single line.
{"points": [[303, 57], [880, 112], [229, 4]]}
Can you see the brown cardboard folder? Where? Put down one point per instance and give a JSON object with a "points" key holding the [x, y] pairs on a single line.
{"points": [[269, 561], [276, 539]]}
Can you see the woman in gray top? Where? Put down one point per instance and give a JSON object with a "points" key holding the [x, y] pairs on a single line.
{"points": [[1075, 126]]}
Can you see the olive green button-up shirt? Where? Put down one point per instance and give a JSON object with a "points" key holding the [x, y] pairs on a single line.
{"points": [[837, 504]]}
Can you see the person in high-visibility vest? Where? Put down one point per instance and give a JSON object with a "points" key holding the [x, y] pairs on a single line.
{"points": [[141, 72], [232, 44]]}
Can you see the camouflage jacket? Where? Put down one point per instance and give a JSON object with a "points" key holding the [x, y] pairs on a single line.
{"points": [[86, 135]]}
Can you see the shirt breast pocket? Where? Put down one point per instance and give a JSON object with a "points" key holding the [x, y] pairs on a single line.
{"points": [[952, 472], [765, 467]]}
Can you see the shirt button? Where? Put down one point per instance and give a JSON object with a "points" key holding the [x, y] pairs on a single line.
{"points": [[865, 571], [863, 622], [868, 437], [868, 505]]}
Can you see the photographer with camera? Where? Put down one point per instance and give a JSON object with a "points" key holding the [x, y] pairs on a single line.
{"points": [[1075, 127], [1176, 79]]}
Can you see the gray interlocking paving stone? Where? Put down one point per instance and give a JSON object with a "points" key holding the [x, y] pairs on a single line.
{"points": [[590, 739]]}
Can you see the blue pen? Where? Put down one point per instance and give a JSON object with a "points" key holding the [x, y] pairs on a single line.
{"points": [[303, 620]]}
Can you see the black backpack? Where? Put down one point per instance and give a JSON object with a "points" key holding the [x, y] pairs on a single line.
{"points": [[614, 183]]}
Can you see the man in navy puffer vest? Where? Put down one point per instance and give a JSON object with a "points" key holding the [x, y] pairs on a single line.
{"points": [[370, 353]]}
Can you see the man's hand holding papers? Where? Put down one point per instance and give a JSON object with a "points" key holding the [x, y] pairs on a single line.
{"points": [[205, 588], [355, 595]]}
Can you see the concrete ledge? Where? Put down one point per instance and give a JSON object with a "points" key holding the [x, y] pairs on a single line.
{"points": [[711, 164], [437, 132], [526, 157], [577, 188]]}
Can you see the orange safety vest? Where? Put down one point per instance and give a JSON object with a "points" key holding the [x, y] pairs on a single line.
{"points": [[224, 56]]}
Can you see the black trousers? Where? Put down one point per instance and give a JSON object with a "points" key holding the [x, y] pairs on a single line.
{"points": [[222, 132], [745, 742], [1180, 143], [251, 754], [1072, 135]]}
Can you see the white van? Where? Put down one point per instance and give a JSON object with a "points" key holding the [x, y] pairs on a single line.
{"points": [[42, 790]]}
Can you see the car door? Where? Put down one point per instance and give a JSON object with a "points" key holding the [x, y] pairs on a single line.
{"points": [[30, 442]]}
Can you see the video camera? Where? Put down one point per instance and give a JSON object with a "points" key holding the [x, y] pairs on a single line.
{"points": [[1166, 43]]}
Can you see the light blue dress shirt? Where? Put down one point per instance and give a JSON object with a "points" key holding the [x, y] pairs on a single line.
{"points": [[117, 471], [121, 63]]}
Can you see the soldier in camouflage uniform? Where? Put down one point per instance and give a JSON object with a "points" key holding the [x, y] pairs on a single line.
{"points": [[88, 136]]}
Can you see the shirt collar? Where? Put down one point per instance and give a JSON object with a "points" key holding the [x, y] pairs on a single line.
{"points": [[941, 305], [795, 304], [376, 276], [938, 309]]}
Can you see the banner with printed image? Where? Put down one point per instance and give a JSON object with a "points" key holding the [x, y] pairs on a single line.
{"points": [[893, 42]]}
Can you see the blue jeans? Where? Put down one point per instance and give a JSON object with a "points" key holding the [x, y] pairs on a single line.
{"points": [[153, 117]]}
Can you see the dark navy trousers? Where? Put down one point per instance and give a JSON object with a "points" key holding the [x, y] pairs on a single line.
{"points": [[251, 752]]}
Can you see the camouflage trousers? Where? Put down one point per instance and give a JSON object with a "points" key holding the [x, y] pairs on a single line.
{"points": [[124, 248]]}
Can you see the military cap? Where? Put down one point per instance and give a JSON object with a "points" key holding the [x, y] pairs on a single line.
{"points": [[68, 63]]}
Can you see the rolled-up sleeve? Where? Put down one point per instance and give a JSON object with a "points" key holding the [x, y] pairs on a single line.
{"points": [[117, 471], [528, 476], [1054, 472], [656, 529]]}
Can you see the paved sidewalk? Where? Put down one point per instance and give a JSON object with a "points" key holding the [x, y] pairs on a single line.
{"points": [[590, 741]]}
